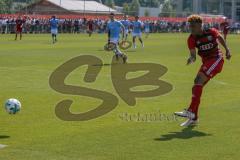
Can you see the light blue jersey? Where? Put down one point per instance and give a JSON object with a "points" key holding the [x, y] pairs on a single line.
{"points": [[146, 25], [126, 24], [54, 24], [137, 27], [115, 28]]}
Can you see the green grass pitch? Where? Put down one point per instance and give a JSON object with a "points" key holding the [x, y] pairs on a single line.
{"points": [[37, 134]]}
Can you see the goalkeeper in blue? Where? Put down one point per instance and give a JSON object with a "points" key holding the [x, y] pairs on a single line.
{"points": [[114, 29]]}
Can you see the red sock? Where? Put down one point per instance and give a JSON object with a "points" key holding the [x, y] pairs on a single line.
{"points": [[196, 98]]}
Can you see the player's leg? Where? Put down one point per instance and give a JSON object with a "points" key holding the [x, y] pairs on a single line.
{"points": [[140, 39], [90, 30], [225, 36], [20, 35], [146, 33], [134, 41], [119, 54], [117, 51], [56, 33], [55, 36], [207, 71], [126, 35], [53, 39], [199, 82], [52, 33], [192, 112], [16, 35]]}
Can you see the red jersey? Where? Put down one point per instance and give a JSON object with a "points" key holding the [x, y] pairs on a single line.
{"points": [[225, 27], [90, 25], [206, 44], [19, 23]]}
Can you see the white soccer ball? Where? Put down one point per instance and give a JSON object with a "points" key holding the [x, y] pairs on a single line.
{"points": [[12, 106]]}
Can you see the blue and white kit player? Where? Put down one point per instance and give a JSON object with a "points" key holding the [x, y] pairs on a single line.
{"points": [[147, 28], [137, 31], [114, 29], [54, 28], [127, 25]]}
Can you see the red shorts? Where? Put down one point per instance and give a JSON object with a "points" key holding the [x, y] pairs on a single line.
{"points": [[90, 28], [19, 30], [212, 67]]}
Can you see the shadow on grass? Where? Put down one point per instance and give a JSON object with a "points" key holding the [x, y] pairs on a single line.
{"points": [[3, 136], [186, 133]]}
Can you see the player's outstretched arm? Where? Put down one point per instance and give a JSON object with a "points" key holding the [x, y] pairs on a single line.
{"points": [[223, 43], [192, 57]]}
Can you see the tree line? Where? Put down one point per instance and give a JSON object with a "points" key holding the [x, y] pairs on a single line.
{"points": [[6, 6], [130, 7]]}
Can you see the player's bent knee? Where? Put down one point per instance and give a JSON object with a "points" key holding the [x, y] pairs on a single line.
{"points": [[201, 79]]}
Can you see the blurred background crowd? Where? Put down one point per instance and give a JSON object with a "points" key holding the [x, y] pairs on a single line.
{"points": [[41, 25]]}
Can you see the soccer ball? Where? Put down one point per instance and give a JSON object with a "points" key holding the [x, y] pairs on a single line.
{"points": [[12, 106]]}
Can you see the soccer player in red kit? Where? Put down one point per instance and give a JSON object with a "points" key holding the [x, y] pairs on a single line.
{"points": [[19, 27], [225, 28], [207, 44], [90, 24]]}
